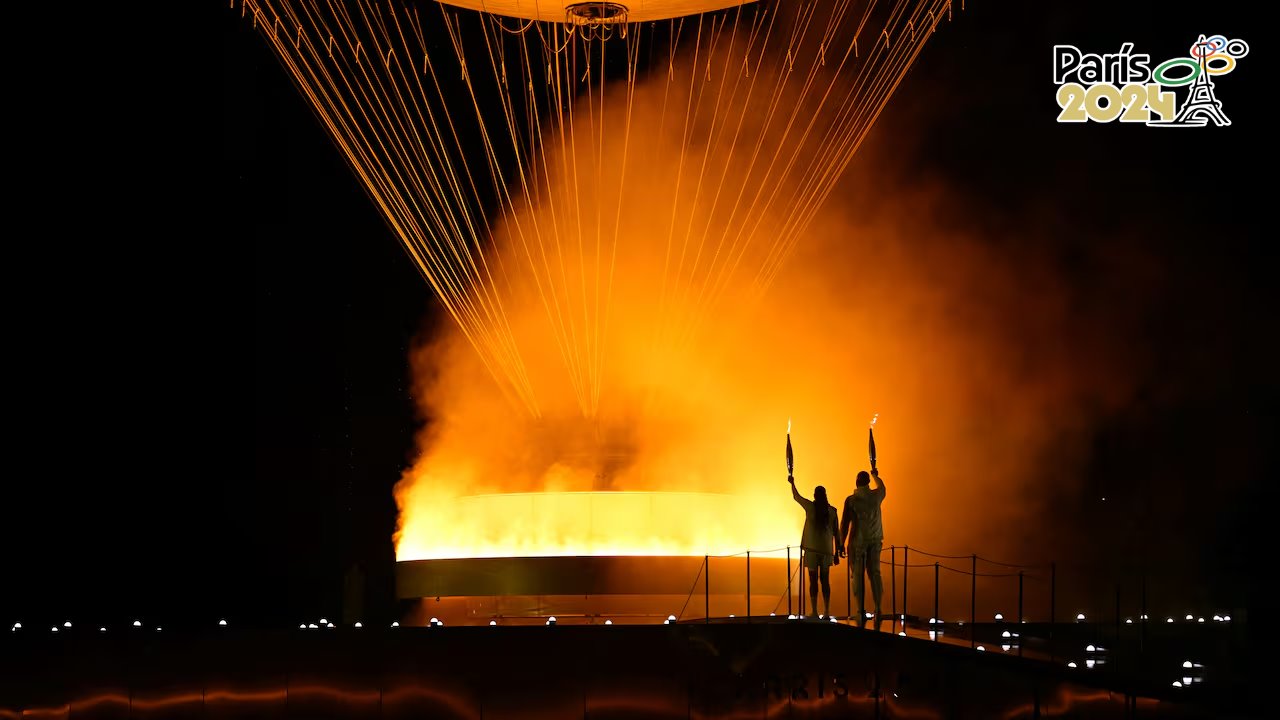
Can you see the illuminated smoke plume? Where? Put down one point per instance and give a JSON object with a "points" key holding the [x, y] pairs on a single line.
{"points": [[895, 305]]}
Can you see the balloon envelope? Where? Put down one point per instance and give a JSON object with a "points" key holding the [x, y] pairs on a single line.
{"points": [[637, 10]]}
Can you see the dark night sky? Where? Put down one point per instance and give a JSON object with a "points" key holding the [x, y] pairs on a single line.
{"points": [[212, 396]]}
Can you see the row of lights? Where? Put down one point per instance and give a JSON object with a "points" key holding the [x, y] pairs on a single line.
{"points": [[1170, 619], [136, 623], [1194, 670], [435, 622]]}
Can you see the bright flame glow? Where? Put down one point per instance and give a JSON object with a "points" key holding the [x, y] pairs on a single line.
{"points": [[137, 623], [1186, 663], [546, 524], [222, 623]]}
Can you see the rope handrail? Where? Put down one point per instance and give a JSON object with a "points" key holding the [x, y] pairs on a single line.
{"points": [[691, 589], [753, 552], [922, 552], [967, 572], [890, 548], [962, 572], [785, 593], [1012, 565]]}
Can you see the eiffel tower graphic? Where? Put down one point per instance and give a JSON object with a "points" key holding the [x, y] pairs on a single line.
{"points": [[1201, 107]]}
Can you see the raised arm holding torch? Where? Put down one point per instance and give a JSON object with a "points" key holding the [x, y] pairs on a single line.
{"points": [[871, 441], [818, 539], [791, 459], [862, 526]]}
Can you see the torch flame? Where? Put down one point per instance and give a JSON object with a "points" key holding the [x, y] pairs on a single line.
{"points": [[874, 418], [788, 426]]}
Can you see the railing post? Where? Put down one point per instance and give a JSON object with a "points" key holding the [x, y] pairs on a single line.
{"points": [[848, 586], [1117, 618], [800, 570], [906, 573], [748, 587], [893, 581], [788, 579], [1053, 604], [1020, 613], [1142, 629], [706, 588], [935, 599], [973, 602]]}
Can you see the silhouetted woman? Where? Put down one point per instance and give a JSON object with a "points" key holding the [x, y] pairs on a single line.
{"points": [[818, 542]]}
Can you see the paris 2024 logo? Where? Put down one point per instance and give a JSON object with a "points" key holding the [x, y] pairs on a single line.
{"points": [[1104, 88]]}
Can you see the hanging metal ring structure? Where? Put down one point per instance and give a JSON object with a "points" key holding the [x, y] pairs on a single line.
{"points": [[596, 20]]}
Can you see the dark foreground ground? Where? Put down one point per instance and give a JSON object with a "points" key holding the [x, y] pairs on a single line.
{"points": [[776, 669]]}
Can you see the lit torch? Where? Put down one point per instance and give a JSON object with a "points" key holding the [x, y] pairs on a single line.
{"points": [[871, 441], [791, 459]]}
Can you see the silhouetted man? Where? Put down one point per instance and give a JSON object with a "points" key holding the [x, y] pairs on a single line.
{"points": [[862, 514]]}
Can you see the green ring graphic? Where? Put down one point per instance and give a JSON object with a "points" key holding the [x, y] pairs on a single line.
{"points": [[1160, 73]]}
